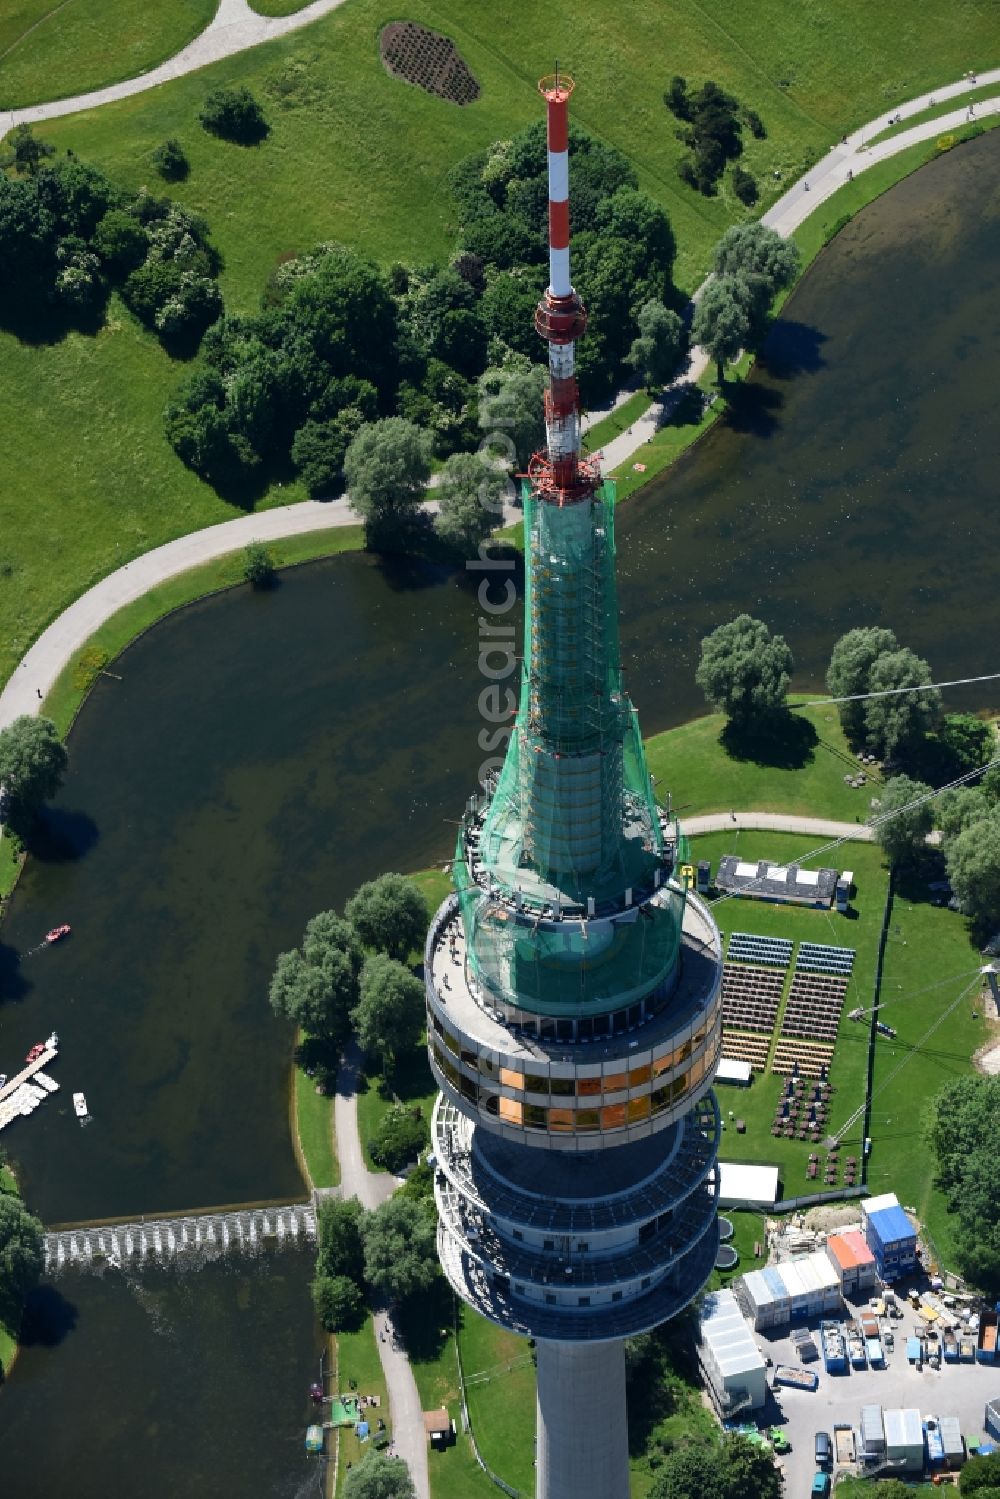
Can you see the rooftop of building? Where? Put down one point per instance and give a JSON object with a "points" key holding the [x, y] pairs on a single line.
{"points": [[765, 878]]}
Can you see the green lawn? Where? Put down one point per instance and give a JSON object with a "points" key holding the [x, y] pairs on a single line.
{"points": [[8, 1335], [314, 1128], [50, 50], [277, 7], [848, 1074], [502, 1408], [9, 867], [748, 1230], [359, 1370], [927, 946], [702, 774], [619, 420]]}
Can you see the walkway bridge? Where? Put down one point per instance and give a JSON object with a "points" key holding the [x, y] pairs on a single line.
{"points": [[194, 1235]]}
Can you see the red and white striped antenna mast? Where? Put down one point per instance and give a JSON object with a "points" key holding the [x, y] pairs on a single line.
{"points": [[560, 475]]}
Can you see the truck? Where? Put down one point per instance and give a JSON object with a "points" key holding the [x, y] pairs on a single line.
{"points": [[935, 1446], [856, 1348], [873, 1348], [843, 1439], [914, 1352], [796, 1378], [986, 1350]]}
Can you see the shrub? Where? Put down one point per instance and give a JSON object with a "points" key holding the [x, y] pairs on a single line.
{"points": [[170, 161], [744, 186], [234, 115], [339, 1303], [258, 565], [400, 1138]]}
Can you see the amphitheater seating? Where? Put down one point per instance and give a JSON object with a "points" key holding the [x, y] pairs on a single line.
{"points": [[745, 1048], [750, 997], [811, 1056], [818, 958]]}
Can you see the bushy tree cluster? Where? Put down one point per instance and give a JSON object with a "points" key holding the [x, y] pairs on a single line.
{"points": [[904, 835], [868, 660], [21, 1257], [751, 264], [731, 1469], [712, 127], [69, 235], [400, 1137], [317, 985], [964, 1125], [379, 1477], [234, 115], [971, 826], [623, 247], [393, 1250]]}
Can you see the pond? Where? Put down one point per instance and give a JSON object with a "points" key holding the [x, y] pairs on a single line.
{"points": [[263, 754]]}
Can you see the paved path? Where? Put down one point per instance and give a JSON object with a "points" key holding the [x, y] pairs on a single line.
{"points": [[233, 28], [372, 1188], [775, 822]]}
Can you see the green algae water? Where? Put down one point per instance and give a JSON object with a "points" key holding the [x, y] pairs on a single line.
{"points": [[263, 754]]}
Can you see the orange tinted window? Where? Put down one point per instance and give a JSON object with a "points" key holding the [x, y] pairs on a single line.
{"points": [[511, 1110], [613, 1116], [587, 1087], [512, 1079]]}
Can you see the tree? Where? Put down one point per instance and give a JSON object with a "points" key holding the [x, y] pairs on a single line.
{"points": [[761, 259], [319, 449], [964, 1113], [656, 353], [511, 403], [22, 1255], [959, 809], [400, 1240], [32, 764], [851, 662], [905, 834], [340, 1250], [969, 741], [400, 1137], [390, 1013], [317, 986], [744, 186], [973, 863], [721, 323], [25, 153], [121, 241], [387, 467], [979, 1474], [749, 1469], [745, 670], [691, 1472], [895, 724], [235, 115], [339, 1302], [891, 1488], [170, 161], [472, 495], [389, 914], [379, 1477], [258, 565]]}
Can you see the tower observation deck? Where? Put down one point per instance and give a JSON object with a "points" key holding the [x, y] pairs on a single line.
{"points": [[573, 1009]]}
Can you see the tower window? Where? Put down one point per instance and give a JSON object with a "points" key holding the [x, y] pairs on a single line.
{"points": [[584, 1301]]}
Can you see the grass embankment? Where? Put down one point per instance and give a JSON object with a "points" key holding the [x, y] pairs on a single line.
{"points": [[314, 1131], [359, 1371], [708, 769], [88, 410], [411, 1083], [52, 51]]}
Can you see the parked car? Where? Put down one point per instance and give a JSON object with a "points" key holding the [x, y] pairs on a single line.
{"points": [[823, 1449], [821, 1485]]}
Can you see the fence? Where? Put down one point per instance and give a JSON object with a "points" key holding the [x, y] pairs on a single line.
{"points": [[873, 1029]]}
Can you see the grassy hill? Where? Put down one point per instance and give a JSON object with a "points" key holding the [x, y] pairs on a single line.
{"points": [[359, 157]]}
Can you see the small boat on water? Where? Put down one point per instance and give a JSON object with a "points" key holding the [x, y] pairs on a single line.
{"points": [[57, 933], [80, 1105], [36, 1051]]}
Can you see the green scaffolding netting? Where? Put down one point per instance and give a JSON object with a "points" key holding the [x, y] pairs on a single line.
{"points": [[572, 822]]}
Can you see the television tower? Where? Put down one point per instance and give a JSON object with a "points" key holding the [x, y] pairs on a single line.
{"points": [[573, 1010]]}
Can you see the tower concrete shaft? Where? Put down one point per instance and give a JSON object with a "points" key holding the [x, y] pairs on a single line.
{"points": [[572, 980]]}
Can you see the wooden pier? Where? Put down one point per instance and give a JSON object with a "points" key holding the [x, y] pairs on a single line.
{"points": [[21, 1096]]}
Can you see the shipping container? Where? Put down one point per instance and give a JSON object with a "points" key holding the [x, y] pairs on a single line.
{"points": [[872, 1431], [951, 1437]]}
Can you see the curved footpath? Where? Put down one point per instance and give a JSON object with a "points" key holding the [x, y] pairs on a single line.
{"points": [[372, 1188], [234, 28], [776, 822]]}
